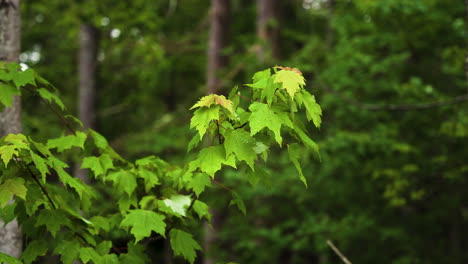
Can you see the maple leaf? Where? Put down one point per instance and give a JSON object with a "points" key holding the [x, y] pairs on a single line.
{"points": [[21, 78], [183, 244], [35, 249], [124, 180], [135, 255], [313, 110], [67, 142], [178, 203], [292, 80], [68, 251], [202, 210], [265, 74], [308, 142], [10, 187], [295, 151], [207, 101], [211, 159], [50, 97], [202, 117], [142, 222], [264, 117], [4, 258], [53, 219], [240, 143], [7, 152], [6, 94], [237, 200], [199, 182], [151, 179], [40, 165]]}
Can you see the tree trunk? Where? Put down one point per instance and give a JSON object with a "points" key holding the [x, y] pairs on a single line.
{"points": [[10, 118], [87, 58], [268, 30], [218, 38]]}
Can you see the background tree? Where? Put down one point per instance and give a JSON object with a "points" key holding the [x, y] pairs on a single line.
{"points": [[10, 117]]}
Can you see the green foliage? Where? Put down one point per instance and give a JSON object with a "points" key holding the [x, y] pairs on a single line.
{"points": [[183, 244], [151, 198]]}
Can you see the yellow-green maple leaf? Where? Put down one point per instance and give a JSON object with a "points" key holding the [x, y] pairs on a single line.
{"points": [[292, 80]]}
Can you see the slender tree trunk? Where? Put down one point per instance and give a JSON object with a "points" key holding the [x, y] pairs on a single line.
{"points": [[218, 39], [268, 30], [87, 57], [10, 118]]}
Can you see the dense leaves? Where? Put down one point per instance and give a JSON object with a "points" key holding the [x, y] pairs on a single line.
{"points": [[150, 195]]}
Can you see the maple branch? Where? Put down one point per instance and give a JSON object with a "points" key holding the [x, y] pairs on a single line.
{"points": [[60, 116], [30, 173], [222, 185], [338, 252], [245, 98]]}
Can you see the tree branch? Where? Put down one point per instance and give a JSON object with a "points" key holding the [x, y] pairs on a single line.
{"points": [[338, 252]]}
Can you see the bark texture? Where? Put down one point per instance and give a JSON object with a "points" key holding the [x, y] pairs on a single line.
{"points": [[268, 30], [87, 59], [10, 119], [89, 37], [218, 38]]}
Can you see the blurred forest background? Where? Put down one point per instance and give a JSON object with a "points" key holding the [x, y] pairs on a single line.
{"points": [[390, 75]]}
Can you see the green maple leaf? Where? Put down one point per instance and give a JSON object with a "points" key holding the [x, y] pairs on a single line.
{"points": [[202, 210], [313, 110], [202, 117], [142, 222], [295, 151], [208, 100], [124, 180], [237, 200], [53, 220], [4, 258], [211, 159], [7, 152], [68, 251], [151, 179], [261, 75], [87, 254], [40, 165], [184, 245], [178, 203], [308, 142], [199, 182], [35, 249], [99, 165], [99, 140], [292, 81], [93, 164], [21, 78], [135, 255], [50, 97], [7, 92], [67, 142], [264, 117], [75, 183], [240, 143], [11, 187]]}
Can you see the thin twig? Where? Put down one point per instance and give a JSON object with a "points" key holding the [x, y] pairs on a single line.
{"points": [[26, 167], [222, 185], [338, 252], [64, 121]]}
